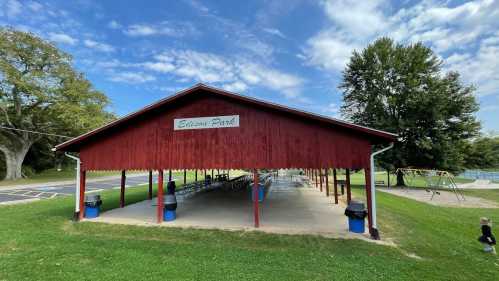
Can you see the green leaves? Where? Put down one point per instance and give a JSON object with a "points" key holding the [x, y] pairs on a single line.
{"points": [[40, 91], [402, 89]]}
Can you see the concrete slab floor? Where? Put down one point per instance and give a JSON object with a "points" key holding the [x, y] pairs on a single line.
{"points": [[291, 207]]}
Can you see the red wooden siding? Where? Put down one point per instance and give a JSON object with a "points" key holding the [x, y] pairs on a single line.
{"points": [[264, 139]]}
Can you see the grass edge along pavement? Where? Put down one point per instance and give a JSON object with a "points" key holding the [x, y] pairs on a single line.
{"points": [[39, 242]]}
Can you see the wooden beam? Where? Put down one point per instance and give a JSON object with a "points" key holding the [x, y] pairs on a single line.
{"points": [[327, 181], [316, 180], [388, 177], [185, 176], [335, 183], [320, 178], [122, 189], [159, 208], [367, 173], [195, 175], [256, 214], [82, 193], [149, 194], [169, 175], [349, 191]]}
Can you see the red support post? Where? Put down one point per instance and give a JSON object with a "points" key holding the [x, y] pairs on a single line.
{"points": [[327, 181], [335, 183], [349, 191], [185, 176], [149, 194], [159, 209], [368, 197], [320, 178], [122, 190], [316, 179], [256, 214], [83, 174]]}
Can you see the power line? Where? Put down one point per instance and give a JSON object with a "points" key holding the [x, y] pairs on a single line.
{"points": [[33, 132]]}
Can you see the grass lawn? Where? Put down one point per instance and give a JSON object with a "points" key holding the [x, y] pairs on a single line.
{"points": [[39, 242]]}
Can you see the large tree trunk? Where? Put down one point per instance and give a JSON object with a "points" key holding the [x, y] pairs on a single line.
{"points": [[14, 159], [400, 179]]}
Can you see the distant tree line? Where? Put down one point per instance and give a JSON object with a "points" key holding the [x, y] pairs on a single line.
{"points": [[482, 153]]}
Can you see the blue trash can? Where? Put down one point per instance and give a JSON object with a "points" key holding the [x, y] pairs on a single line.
{"points": [[92, 206], [356, 225], [356, 214], [261, 193], [169, 215], [92, 212]]}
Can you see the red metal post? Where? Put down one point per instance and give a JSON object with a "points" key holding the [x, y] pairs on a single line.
{"points": [[368, 197], [122, 190], [327, 181], [320, 178], [82, 193], [335, 183], [256, 214], [349, 191], [159, 209], [316, 180], [149, 194]]}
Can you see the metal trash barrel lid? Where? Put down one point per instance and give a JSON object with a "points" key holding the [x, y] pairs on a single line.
{"points": [[92, 198]]}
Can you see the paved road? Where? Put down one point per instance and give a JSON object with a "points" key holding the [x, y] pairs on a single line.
{"points": [[12, 195]]}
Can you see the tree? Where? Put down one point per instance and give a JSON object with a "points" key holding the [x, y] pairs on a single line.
{"points": [[40, 91], [482, 153], [402, 89]]}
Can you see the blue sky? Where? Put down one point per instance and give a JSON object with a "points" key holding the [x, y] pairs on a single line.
{"points": [[290, 52]]}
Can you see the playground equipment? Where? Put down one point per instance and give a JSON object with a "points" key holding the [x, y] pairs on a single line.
{"points": [[435, 180]]}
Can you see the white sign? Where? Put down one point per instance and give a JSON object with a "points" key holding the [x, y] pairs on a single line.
{"points": [[206, 122]]}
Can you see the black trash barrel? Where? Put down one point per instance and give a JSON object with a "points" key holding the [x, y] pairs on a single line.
{"points": [[356, 213]]}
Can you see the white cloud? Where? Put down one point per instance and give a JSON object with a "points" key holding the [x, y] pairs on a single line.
{"points": [[35, 6], [237, 86], [231, 73], [62, 38], [462, 34], [114, 24], [131, 77], [362, 18], [274, 31], [13, 8], [103, 47], [163, 28], [159, 66]]}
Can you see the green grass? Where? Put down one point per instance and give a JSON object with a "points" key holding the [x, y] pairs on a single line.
{"points": [[39, 242]]}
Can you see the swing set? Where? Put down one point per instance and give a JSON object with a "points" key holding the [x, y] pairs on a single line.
{"points": [[435, 181]]}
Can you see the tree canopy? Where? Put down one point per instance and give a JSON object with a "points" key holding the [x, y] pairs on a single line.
{"points": [[40, 91], [402, 89]]}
